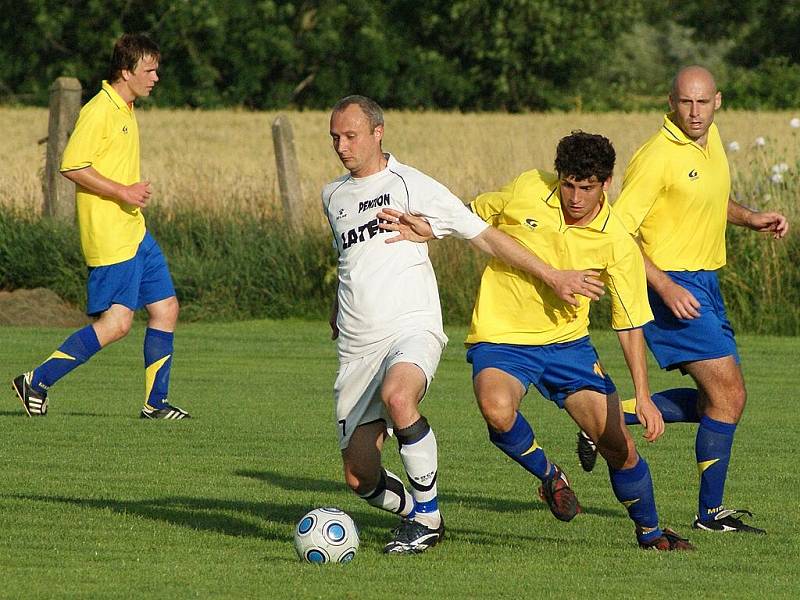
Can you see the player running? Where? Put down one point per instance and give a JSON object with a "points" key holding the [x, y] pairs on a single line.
{"points": [[387, 318], [522, 335]]}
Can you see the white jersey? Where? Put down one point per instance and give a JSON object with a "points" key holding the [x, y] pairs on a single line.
{"points": [[386, 289]]}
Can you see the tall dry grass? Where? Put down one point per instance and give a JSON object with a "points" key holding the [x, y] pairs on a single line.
{"points": [[215, 204], [225, 160]]}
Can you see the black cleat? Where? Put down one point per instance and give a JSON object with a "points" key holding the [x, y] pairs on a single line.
{"points": [[587, 452], [34, 403], [728, 520], [167, 412], [559, 496], [669, 540], [412, 537]]}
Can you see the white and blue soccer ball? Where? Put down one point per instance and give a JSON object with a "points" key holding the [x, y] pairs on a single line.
{"points": [[326, 535]]}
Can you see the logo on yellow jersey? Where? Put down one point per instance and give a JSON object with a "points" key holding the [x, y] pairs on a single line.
{"points": [[124, 129], [531, 223], [693, 174]]}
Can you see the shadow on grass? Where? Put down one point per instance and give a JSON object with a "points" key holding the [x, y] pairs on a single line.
{"points": [[203, 514], [474, 501]]}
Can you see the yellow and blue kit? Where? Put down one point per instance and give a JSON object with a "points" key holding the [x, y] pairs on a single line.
{"points": [[106, 137], [513, 307], [675, 199]]}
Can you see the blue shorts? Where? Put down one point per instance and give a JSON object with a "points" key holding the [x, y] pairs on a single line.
{"points": [[557, 370], [675, 341], [134, 283]]}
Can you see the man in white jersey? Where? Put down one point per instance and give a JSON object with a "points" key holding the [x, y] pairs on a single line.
{"points": [[387, 316]]}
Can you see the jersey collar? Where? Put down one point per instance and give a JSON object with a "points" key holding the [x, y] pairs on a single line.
{"points": [[115, 97], [675, 134]]}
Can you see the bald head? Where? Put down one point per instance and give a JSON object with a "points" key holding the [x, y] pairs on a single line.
{"points": [[691, 78], [693, 99]]}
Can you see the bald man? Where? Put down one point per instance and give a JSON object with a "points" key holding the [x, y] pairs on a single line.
{"points": [[676, 199]]}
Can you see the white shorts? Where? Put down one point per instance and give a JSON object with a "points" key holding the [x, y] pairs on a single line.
{"points": [[357, 389]]}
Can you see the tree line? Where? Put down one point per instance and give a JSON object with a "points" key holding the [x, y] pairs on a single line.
{"points": [[512, 55]]}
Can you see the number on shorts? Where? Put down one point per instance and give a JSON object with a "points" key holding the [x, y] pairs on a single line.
{"points": [[344, 427]]}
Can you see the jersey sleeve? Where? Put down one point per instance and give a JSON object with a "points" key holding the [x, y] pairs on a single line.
{"points": [[490, 205], [641, 186], [626, 281], [87, 141], [446, 213]]}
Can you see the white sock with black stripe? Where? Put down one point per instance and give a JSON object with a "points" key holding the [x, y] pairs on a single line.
{"points": [[419, 454], [390, 495]]}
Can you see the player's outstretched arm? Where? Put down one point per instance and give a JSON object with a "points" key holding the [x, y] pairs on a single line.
{"points": [[768, 222], [136, 194], [632, 343], [680, 301], [566, 284]]}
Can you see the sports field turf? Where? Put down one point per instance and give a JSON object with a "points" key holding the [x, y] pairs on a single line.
{"points": [[95, 503]]}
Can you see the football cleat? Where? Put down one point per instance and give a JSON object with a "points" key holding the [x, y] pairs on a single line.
{"points": [[667, 541], [412, 537], [587, 451], [727, 520], [34, 403], [559, 496], [166, 412]]}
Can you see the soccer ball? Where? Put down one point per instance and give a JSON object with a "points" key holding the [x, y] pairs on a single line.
{"points": [[326, 535]]}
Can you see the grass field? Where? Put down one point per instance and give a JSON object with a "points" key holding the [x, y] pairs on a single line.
{"points": [[95, 503]]}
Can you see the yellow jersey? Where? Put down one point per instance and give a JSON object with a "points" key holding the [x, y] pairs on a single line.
{"points": [[514, 307], [675, 198], [106, 137]]}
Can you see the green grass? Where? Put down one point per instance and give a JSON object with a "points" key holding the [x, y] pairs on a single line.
{"points": [[95, 503]]}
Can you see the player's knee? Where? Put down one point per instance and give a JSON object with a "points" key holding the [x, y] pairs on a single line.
{"points": [[360, 481], [398, 401], [497, 415], [121, 327], [619, 452]]}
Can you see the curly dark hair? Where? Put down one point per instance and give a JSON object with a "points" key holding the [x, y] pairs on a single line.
{"points": [[128, 51], [581, 155]]}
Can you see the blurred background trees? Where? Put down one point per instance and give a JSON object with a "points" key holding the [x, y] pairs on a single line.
{"points": [[512, 55]]}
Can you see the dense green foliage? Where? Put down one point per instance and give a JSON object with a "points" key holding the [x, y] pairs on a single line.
{"points": [[229, 266], [460, 54], [95, 503]]}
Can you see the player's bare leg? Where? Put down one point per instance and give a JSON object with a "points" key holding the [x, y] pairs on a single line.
{"points": [[601, 417], [722, 401], [401, 391], [499, 396], [365, 475]]}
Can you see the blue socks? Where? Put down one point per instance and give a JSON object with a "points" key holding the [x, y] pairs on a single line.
{"points": [[634, 489], [520, 445], [76, 350], [713, 453], [157, 364], [678, 405]]}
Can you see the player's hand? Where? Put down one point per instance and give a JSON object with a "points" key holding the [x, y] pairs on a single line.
{"points": [[650, 418], [680, 301], [568, 283], [136, 194], [769, 222], [408, 227]]}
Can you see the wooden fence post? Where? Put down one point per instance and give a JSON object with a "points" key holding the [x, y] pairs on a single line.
{"points": [[288, 171], [65, 104]]}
